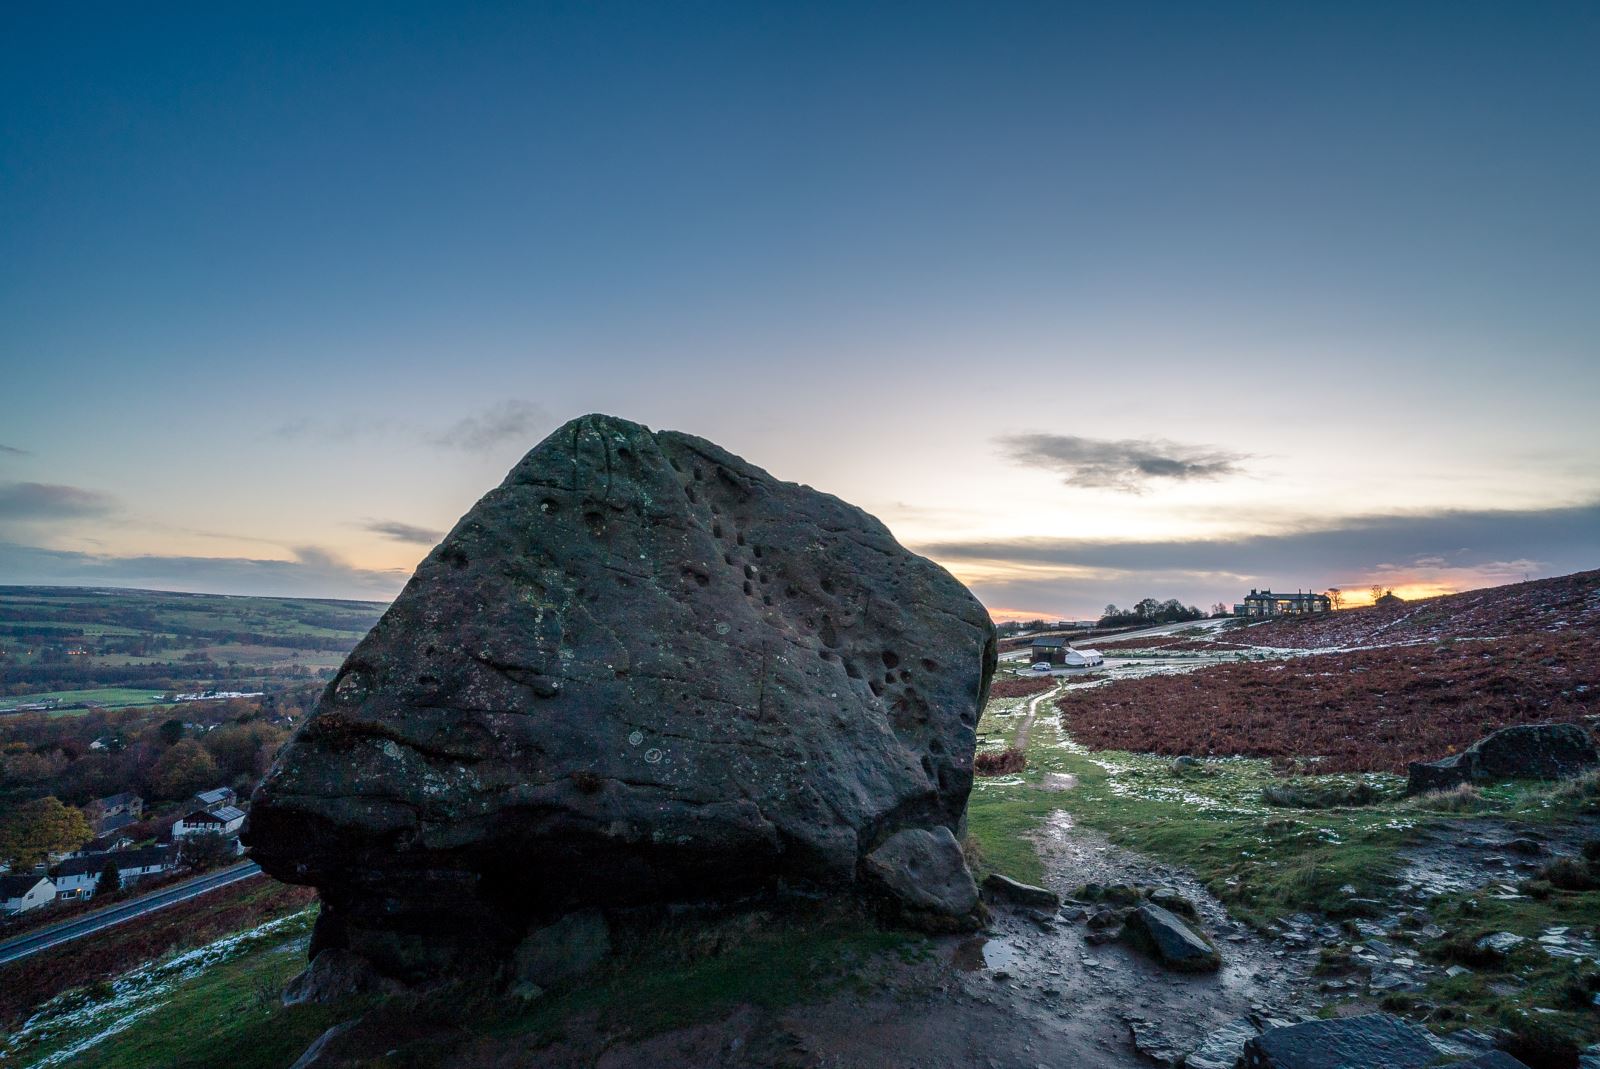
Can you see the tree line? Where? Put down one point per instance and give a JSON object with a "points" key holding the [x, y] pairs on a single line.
{"points": [[1149, 611]]}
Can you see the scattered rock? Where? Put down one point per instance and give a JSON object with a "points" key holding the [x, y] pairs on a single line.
{"points": [[1151, 1041], [1223, 1047], [642, 660], [1178, 946], [562, 951], [335, 974], [1525, 751], [1499, 944], [1366, 1042], [1173, 902], [1494, 1059], [925, 872], [1180, 765], [1022, 894]]}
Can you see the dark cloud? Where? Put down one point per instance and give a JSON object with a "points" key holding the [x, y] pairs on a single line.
{"points": [[1473, 548], [314, 573], [487, 429], [13, 451], [403, 532], [1128, 465], [49, 501]]}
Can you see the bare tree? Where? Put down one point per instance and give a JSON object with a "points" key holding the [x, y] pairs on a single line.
{"points": [[1377, 592], [1336, 598]]}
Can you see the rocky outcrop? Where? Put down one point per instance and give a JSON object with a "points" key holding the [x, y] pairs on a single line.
{"points": [[1526, 751], [640, 670]]}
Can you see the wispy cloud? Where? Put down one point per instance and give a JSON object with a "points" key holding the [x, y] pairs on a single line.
{"points": [[477, 433], [50, 501], [487, 429], [1127, 465], [313, 573], [403, 532], [13, 451]]}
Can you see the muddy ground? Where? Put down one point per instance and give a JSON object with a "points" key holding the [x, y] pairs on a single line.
{"points": [[1028, 992], [1031, 992]]}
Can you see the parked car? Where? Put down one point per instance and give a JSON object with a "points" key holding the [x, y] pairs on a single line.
{"points": [[1042, 666]]}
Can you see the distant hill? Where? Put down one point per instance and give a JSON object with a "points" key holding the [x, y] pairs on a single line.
{"points": [[73, 646], [1562, 604]]}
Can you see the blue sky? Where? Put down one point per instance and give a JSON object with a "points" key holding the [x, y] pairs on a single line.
{"points": [[284, 291]]}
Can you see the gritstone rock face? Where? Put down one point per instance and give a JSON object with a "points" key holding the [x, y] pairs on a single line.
{"points": [[640, 670]]}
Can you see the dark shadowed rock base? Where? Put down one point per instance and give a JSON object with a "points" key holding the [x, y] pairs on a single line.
{"points": [[641, 670]]}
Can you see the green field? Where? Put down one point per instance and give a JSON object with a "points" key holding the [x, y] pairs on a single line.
{"points": [[110, 697]]}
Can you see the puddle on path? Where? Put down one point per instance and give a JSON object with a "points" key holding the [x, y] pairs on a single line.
{"points": [[983, 952]]}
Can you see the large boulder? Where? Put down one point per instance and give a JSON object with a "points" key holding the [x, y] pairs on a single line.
{"points": [[1526, 751], [640, 670]]}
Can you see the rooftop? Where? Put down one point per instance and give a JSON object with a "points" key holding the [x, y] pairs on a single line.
{"points": [[124, 859], [19, 884]]}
